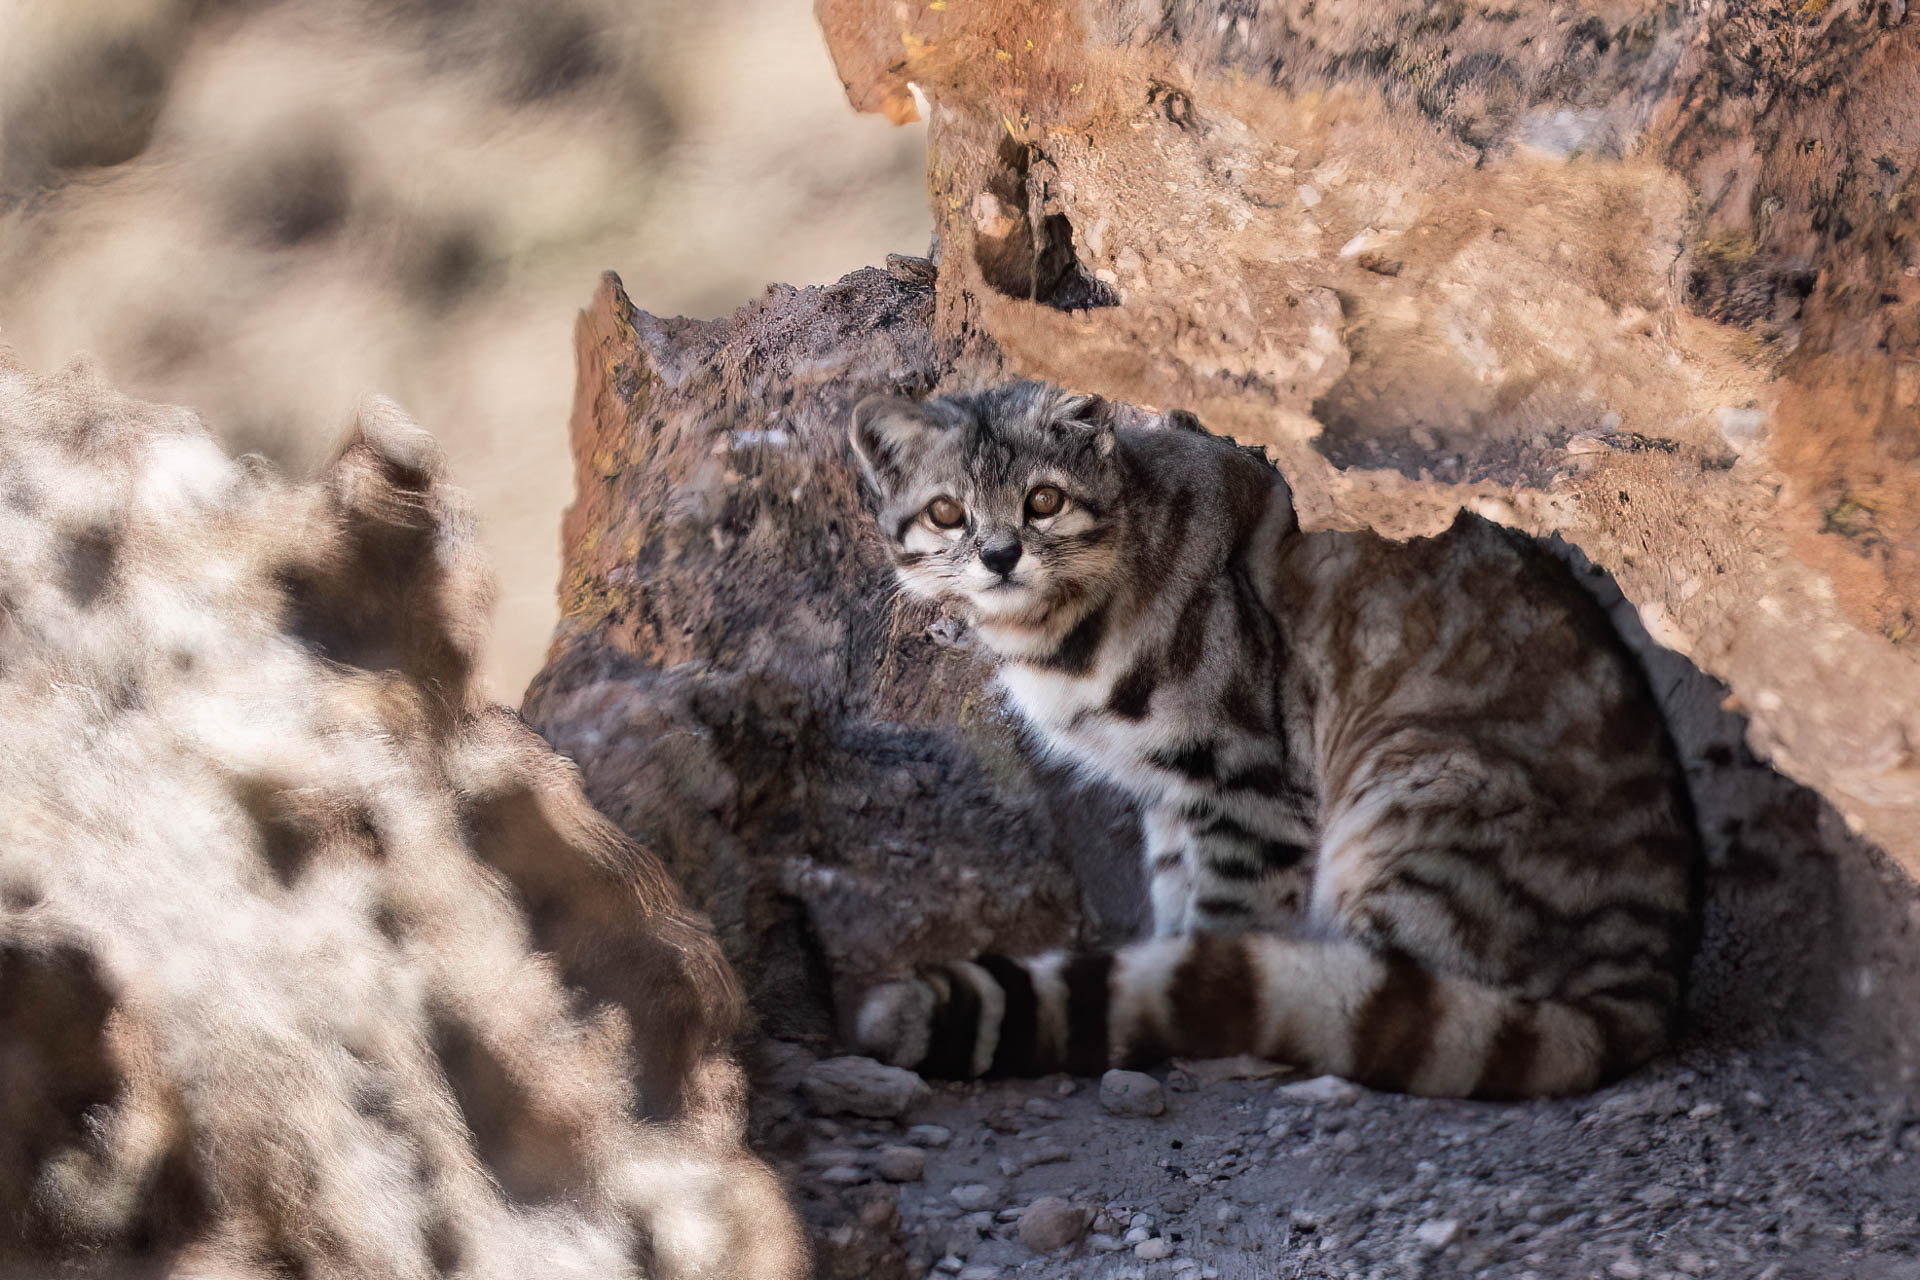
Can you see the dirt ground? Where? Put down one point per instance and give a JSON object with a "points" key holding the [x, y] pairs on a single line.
{"points": [[1769, 1164]]}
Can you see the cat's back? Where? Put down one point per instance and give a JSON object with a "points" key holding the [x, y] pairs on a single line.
{"points": [[1476, 641]]}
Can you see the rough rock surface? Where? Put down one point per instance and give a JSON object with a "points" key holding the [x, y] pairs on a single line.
{"points": [[1642, 274], [311, 963], [815, 763]]}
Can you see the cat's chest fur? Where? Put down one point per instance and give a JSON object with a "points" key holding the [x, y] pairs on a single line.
{"points": [[1072, 718]]}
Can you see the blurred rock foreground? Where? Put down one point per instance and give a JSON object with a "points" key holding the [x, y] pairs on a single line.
{"points": [[312, 962]]}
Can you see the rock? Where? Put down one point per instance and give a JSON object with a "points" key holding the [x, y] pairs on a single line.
{"points": [[1044, 1108], [1324, 1091], [1226, 1212], [979, 1273], [1131, 1093], [1051, 1223], [1657, 1195], [1045, 1151], [1153, 1250], [1625, 1269], [303, 942], [901, 1164], [975, 1196], [1437, 1233], [821, 808], [929, 1135], [1105, 1244], [843, 1175], [862, 1087]]}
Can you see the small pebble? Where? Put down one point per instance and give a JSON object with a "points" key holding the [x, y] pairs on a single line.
{"points": [[1325, 1091], [974, 1196], [1051, 1223], [844, 1175], [1438, 1233], [1045, 1108], [929, 1135], [863, 1087], [1153, 1250], [1138, 1235], [1105, 1244], [901, 1164], [1131, 1093], [1625, 1269], [979, 1273]]}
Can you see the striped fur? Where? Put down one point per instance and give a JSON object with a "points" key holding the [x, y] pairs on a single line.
{"points": [[1410, 812]]}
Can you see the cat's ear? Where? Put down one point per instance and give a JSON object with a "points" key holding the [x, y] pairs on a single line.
{"points": [[1089, 413], [888, 433]]}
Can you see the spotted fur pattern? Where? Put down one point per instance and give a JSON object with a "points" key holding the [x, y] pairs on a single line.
{"points": [[1411, 814]]}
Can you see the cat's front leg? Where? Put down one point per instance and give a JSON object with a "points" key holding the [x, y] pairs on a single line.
{"points": [[1166, 847]]}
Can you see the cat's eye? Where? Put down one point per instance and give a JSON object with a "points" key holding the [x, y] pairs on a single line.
{"points": [[1045, 501], [945, 513]]}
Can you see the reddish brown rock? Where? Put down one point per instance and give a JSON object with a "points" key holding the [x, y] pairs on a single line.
{"points": [[814, 758], [1644, 276]]}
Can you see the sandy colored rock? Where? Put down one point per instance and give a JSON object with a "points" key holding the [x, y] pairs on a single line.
{"points": [[862, 1087], [1050, 1223], [901, 1164], [1132, 1093], [310, 960]]}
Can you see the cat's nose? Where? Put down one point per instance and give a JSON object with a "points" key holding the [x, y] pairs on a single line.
{"points": [[1001, 556]]}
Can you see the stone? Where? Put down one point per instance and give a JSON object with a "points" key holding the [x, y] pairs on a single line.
{"points": [[929, 1135], [1153, 1250], [862, 1087], [1437, 1233], [1131, 1093], [1323, 1091], [979, 1272], [843, 1175], [279, 881], [975, 1196], [901, 1164], [1051, 1223]]}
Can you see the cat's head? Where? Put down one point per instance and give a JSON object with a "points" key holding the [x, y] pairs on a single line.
{"points": [[1006, 503]]}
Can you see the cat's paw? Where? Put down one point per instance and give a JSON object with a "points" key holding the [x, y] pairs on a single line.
{"points": [[895, 1022]]}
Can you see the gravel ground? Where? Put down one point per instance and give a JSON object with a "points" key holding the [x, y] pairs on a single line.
{"points": [[1771, 1164]]}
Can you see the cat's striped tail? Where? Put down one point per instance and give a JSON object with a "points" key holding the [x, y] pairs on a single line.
{"points": [[1377, 1018]]}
